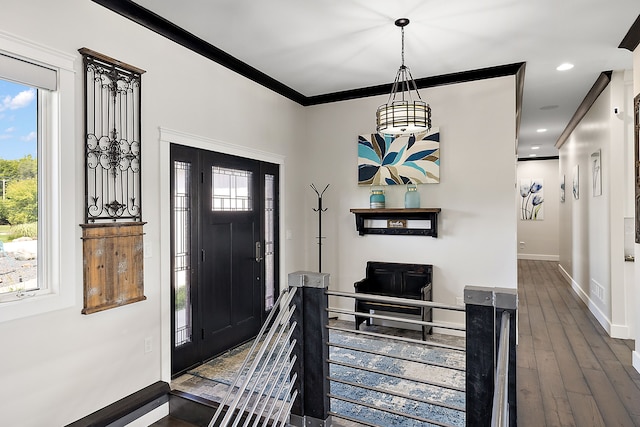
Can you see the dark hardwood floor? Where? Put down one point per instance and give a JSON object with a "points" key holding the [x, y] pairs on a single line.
{"points": [[570, 372]]}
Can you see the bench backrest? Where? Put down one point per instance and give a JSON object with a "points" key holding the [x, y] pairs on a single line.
{"points": [[398, 279]]}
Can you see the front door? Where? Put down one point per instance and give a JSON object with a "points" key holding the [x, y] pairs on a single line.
{"points": [[223, 251]]}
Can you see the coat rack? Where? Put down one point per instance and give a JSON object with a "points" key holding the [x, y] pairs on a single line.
{"points": [[319, 210]]}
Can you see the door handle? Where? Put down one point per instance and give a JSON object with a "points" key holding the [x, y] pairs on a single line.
{"points": [[258, 252]]}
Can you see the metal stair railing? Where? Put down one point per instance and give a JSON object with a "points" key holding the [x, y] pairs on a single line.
{"points": [[356, 365], [500, 412], [262, 392]]}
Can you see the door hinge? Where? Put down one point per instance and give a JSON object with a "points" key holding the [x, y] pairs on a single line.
{"points": [[201, 177], [202, 333], [202, 255]]}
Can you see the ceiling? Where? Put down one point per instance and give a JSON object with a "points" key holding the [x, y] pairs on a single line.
{"points": [[326, 46]]}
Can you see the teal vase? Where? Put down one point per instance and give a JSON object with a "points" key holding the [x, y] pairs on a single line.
{"points": [[412, 197], [376, 199]]}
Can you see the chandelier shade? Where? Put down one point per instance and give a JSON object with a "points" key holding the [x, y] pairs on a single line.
{"points": [[405, 112]]}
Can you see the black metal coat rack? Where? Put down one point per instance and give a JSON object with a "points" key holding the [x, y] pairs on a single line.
{"points": [[319, 210]]}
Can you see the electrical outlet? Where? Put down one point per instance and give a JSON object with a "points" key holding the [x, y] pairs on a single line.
{"points": [[522, 245], [147, 345]]}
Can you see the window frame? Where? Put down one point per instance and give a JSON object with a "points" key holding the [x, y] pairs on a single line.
{"points": [[57, 175]]}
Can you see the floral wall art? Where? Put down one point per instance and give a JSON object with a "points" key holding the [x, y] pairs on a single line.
{"points": [[399, 160], [596, 174], [532, 199], [576, 182]]}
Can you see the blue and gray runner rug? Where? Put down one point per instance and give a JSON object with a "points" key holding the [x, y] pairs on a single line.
{"points": [[223, 369]]}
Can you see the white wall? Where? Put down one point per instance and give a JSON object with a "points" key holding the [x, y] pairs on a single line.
{"points": [[538, 240], [61, 366], [592, 228], [476, 244]]}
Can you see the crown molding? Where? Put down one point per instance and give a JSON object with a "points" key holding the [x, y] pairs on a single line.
{"points": [[601, 83], [632, 39]]}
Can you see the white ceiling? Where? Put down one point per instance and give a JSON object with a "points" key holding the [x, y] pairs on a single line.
{"points": [[324, 46]]}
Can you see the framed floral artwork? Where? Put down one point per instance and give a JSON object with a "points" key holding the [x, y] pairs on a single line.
{"points": [[532, 199], [596, 174], [576, 182]]}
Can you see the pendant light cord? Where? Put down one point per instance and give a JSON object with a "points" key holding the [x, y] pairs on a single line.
{"points": [[402, 30]]}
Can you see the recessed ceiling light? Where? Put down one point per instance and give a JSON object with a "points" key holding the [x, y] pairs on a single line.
{"points": [[541, 130], [535, 147], [533, 155], [564, 67]]}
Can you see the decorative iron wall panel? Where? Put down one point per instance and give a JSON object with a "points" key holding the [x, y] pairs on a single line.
{"points": [[112, 139]]}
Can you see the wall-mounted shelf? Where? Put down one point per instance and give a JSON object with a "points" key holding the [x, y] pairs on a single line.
{"points": [[426, 216]]}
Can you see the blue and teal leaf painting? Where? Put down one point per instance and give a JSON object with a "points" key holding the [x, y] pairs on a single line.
{"points": [[398, 160]]}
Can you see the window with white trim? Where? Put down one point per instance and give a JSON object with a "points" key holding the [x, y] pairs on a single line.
{"points": [[36, 164]]}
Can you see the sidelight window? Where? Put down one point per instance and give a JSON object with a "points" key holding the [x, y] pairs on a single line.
{"points": [[182, 260]]}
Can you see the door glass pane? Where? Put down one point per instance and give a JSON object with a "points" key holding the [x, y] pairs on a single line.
{"points": [[231, 189], [182, 252], [269, 237]]}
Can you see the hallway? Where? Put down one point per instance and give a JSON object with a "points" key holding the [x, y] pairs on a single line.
{"points": [[570, 373]]}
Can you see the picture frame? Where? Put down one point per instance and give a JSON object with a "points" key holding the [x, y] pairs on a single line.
{"points": [[596, 174], [576, 182]]}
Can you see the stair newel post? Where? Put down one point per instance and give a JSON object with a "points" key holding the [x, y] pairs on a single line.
{"points": [[484, 308], [311, 407], [480, 345]]}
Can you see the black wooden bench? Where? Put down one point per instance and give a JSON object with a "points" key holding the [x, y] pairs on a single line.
{"points": [[412, 281]]}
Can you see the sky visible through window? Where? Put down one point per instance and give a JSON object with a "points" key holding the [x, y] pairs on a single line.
{"points": [[18, 121]]}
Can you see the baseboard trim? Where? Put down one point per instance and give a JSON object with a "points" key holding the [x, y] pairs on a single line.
{"points": [[539, 257], [620, 331], [636, 360], [593, 308]]}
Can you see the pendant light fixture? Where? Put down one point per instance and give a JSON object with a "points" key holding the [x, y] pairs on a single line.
{"points": [[405, 112]]}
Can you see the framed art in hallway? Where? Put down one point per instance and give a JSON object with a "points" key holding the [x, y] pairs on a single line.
{"points": [[532, 199], [596, 174], [576, 182], [562, 189]]}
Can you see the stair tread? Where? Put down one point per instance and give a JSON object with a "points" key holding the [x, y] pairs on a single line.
{"points": [[170, 421]]}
